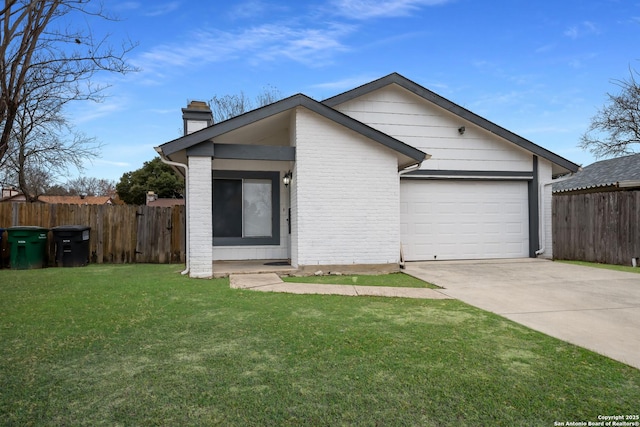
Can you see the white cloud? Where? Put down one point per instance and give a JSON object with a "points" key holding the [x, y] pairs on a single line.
{"points": [[111, 163], [581, 30], [92, 110], [162, 9], [344, 84], [367, 9], [270, 42], [127, 5], [254, 9]]}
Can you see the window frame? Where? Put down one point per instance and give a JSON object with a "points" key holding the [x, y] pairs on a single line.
{"points": [[274, 177]]}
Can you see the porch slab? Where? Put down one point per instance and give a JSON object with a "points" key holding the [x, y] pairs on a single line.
{"points": [[256, 266], [271, 282], [256, 280]]}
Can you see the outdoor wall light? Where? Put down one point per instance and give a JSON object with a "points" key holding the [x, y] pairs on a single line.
{"points": [[287, 178], [461, 130]]}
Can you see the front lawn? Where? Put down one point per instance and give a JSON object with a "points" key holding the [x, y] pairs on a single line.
{"points": [[394, 280], [141, 345], [625, 268]]}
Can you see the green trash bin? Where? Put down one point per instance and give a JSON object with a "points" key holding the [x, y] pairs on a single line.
{"points": [[27, 247], [1, 249]]}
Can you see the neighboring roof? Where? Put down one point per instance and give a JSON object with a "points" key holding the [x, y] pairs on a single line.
{"points": [[395, 78], [621, 172], [77, 200], [165, 203], [15, 198], [294, 101]]}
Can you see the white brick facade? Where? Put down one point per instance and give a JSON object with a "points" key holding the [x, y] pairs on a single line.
{"points": [[200, 218], [346, 196]]}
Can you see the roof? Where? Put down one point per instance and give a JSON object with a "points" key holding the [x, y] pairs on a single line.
{"points": [[165, 202], [278, 107], [77, 200], [395, 78], [621, 172]]}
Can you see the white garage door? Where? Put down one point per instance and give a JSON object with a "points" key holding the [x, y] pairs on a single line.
{"points": [[463, 219]]}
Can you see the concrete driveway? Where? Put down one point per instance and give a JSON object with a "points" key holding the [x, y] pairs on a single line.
{"points": [[594, 308]]}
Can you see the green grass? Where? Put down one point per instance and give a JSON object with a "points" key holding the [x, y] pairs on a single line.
{"points": [[395, 280], [141, 345], [624, 268]]}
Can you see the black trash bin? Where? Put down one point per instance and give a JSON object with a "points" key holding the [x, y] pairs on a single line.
{"points": [[72, 245]]}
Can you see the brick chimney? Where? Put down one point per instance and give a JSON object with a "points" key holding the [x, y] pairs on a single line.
{"points": [[196, 116], [151, 197]]}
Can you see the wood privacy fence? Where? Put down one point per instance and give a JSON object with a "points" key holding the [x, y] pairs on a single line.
{"points": [[119, 233], [597, 227]]}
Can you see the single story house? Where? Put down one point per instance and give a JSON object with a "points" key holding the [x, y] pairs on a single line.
{"points": [[162, 202], [619, 174], [384, 173]]}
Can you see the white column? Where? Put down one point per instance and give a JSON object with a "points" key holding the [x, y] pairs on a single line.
{"points": [[200, 217]]}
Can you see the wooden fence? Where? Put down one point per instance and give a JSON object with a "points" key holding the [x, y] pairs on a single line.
{"points": [[597, 227], [119, 233]]}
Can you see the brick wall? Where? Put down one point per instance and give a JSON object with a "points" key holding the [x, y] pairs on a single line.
{"points": [[200, 218], [346, 197]]}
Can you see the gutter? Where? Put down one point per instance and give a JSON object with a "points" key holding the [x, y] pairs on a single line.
{"points": [[186, 186]]}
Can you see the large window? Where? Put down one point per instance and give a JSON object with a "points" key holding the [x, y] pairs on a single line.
{"points": [[246, 208]]}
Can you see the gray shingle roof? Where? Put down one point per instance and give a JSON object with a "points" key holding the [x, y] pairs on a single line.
{"points": [[618, 172]]}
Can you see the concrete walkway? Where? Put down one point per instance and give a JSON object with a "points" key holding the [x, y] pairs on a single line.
{"points": [[594, 308], [271, 282]]}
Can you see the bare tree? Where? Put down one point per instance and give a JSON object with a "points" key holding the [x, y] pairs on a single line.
{"points": [[91, 187], [615, 129], [40, 53], [228, 106], [42, 143]]}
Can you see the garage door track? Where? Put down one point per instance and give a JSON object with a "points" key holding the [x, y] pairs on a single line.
{"points": [[594, 308]]}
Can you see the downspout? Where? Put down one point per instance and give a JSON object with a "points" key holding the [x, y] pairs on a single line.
{"points": [[186, 186], [541, 233]]}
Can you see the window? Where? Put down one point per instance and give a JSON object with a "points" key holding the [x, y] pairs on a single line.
{"points": [[245, 208]]}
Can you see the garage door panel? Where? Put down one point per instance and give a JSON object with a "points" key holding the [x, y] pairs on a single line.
{"points": [[464, 220]]}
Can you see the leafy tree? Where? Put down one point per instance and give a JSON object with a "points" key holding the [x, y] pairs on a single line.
{"points": [[153, 176], [615, 129], [42, 54]]}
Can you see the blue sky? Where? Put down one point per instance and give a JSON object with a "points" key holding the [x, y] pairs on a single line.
{"points": [[538, 68]]}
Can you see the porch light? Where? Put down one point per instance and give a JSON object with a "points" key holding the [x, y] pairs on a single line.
{"points": [[287, 178]]}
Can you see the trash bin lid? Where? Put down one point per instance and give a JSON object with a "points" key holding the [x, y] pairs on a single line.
{"points": [[27, 228], [71, 228]]}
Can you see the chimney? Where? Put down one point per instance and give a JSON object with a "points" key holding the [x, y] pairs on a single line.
{"points": [[151, 197], [196, 116]]}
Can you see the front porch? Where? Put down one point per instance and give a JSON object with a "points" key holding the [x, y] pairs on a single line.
{"points": [[283, 268], [253, 266]]}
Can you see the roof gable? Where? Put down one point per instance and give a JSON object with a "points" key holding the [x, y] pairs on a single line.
{"points": [[611, 173], [298, 100], [453, 108]]}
